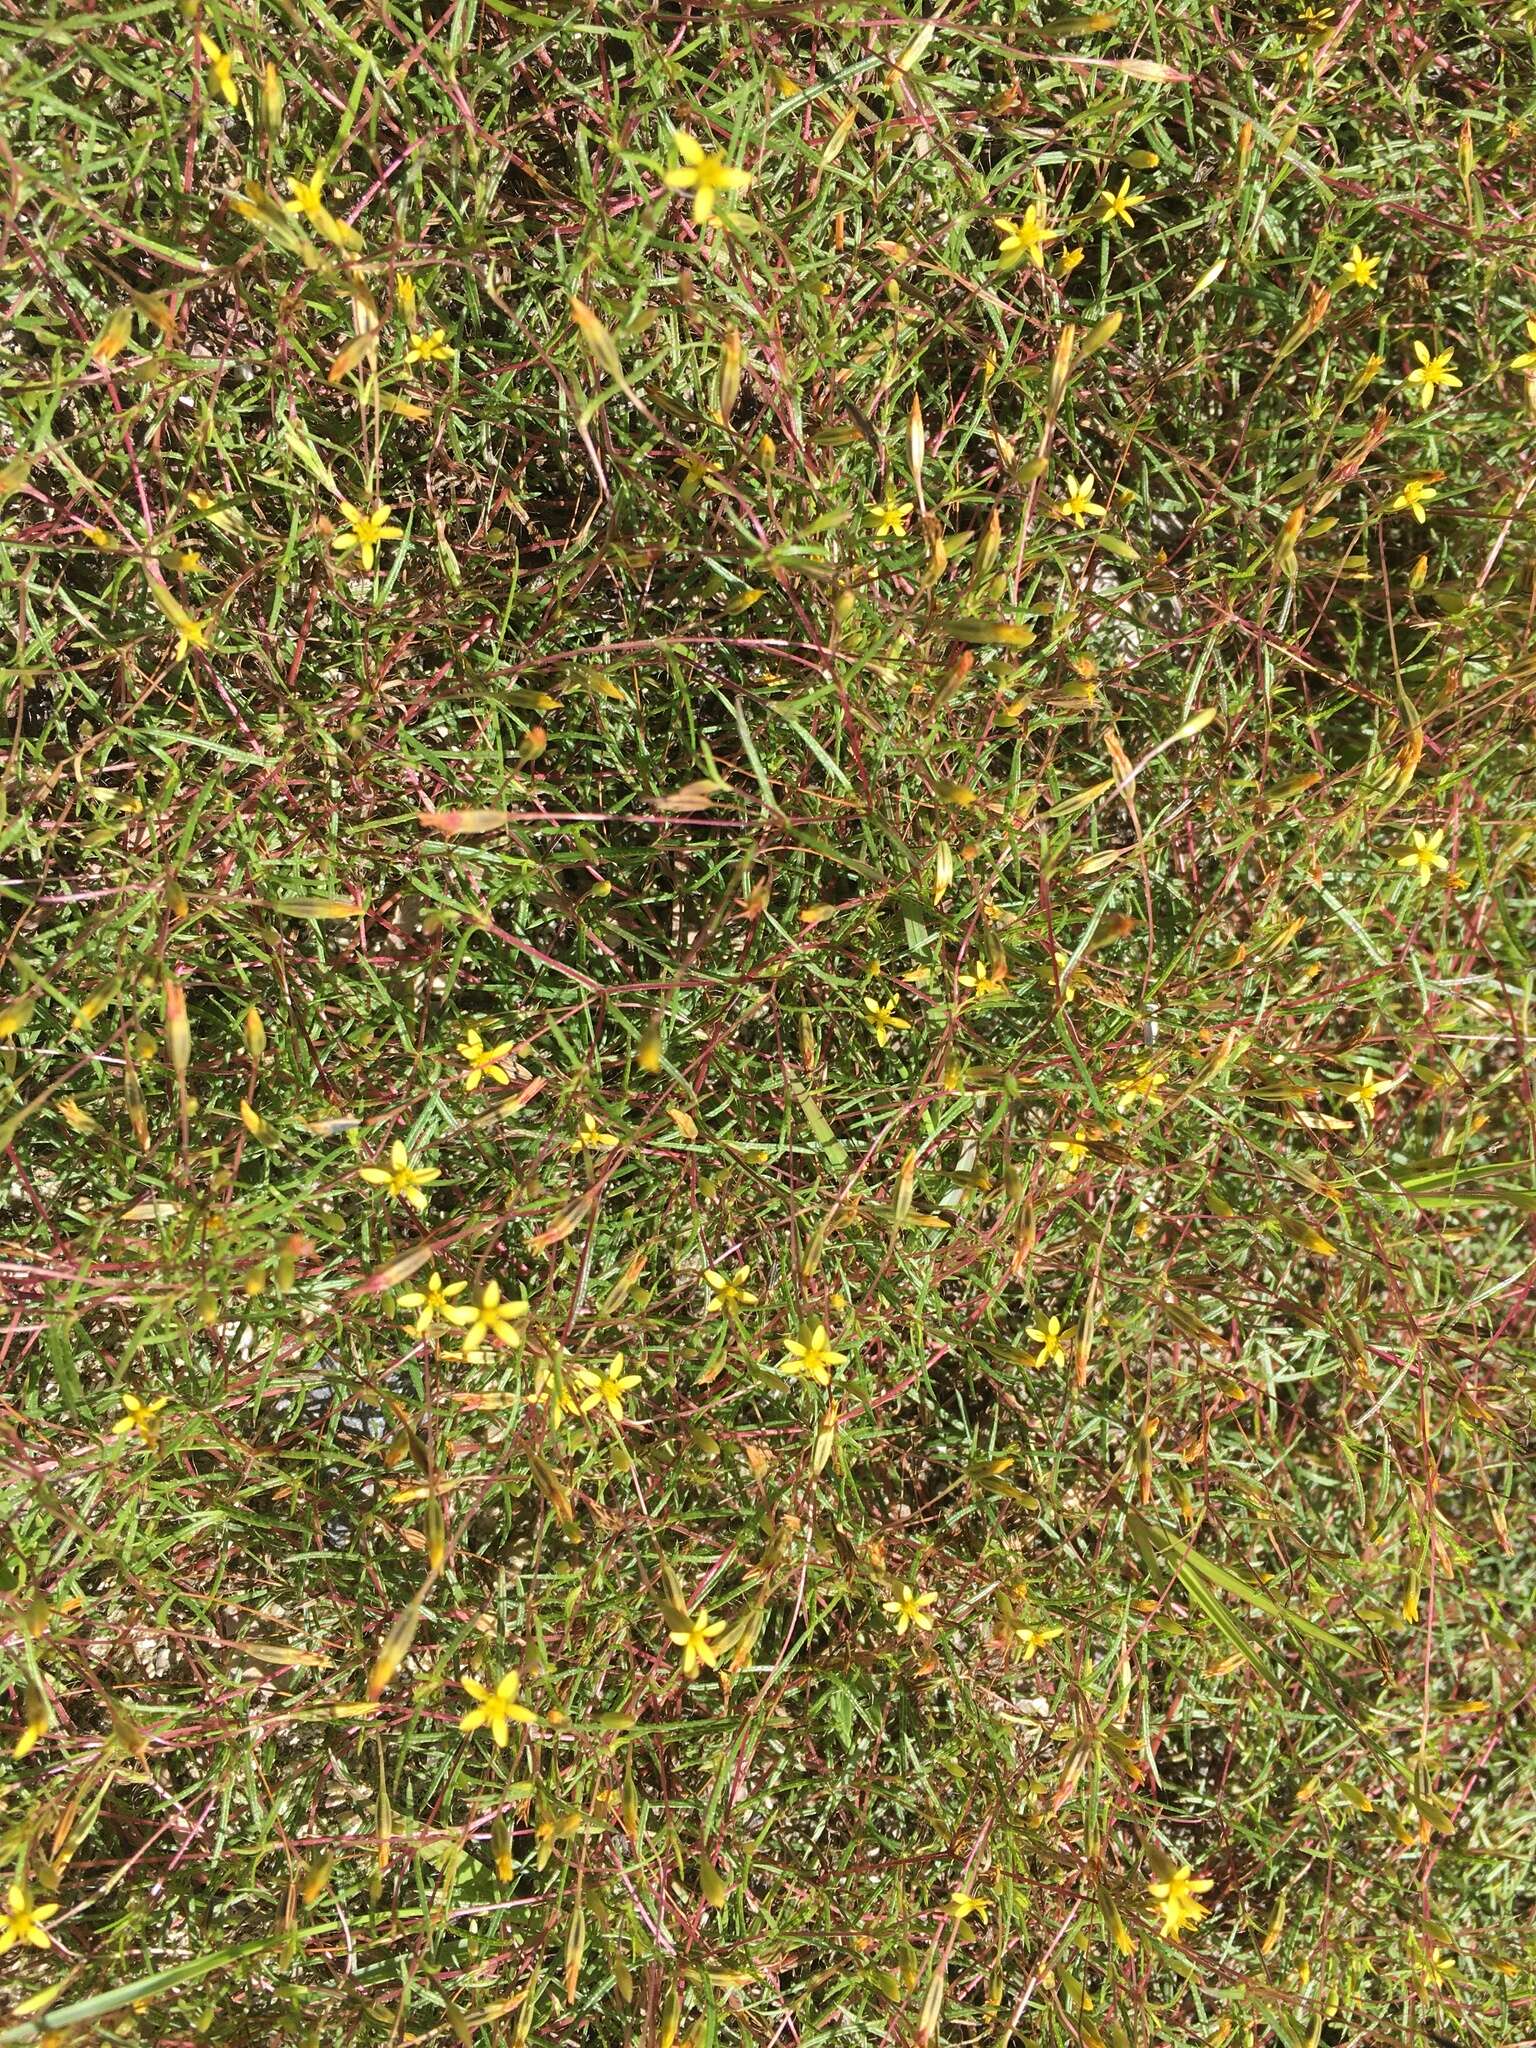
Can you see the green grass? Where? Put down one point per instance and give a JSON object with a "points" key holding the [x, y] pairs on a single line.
{"points": [[641, 750]]}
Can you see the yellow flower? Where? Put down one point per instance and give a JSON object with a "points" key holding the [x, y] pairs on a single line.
{"points": [[497, 1708], [1025, 238], [986, 979], [1424, 857], [308, 195], [1052, 1340], [704, 174], [139, 1416], [1365, 1091], [590, 1139], [727, 1292], [1147, 1087], [1117, 205], [483, 1061], [1177, 1899], [1433, 371], [221, 69], [553, 1393], [365, 530], [492, 1318], [23, 1922], [1526, 360], [1071, 1151], [696, 1640], [1360, 269], [1078, 502], [961, 1905], [1067, 261], [1414, 496], [403, 1181], [429, 348], [910, 1611], [1032, 1640], [813, 1359], [435, 1301], [606, 1388], [891, 518], [884, 1019]]}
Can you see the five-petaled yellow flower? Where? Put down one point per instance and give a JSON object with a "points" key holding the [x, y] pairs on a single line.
{"points": [[891, 518], [429, 348], [1414, 496], [704, 174], [139, 1417], [727, 1291], [1032, 1640], [1026, 238], [1424, 856], [884, 1018], [491, 1318], [1360, 269], [1365, 1091], [812, 1359], [222, 69], [985, 979], [364, 531], [1052, 1339], [606, 1388], [483, 1061], [1526, 360], [1432, 373], [497, 1708], [1071, 1151], [404, 1181], [1177, 1898], [1078, 503], [23, 1922], [696, 1640], [910, 1611], [427, 1305], [961, 1905], [1118, 205]]}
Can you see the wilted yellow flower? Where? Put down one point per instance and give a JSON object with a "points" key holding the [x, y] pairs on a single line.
{"points": [[221, 69], [704, 174], [496, 1708], [910, 1611], [403, 1181]]}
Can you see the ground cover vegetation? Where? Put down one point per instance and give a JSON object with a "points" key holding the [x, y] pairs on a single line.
{"points": [[768, 864]]}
